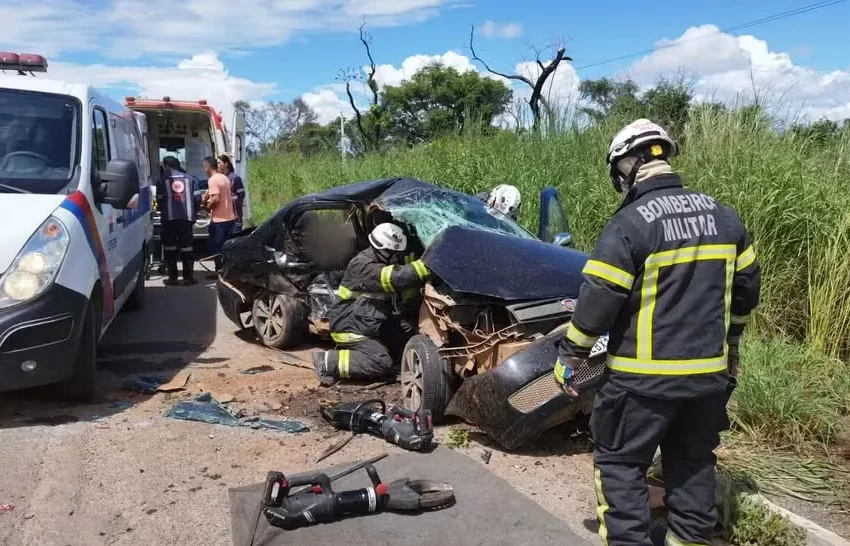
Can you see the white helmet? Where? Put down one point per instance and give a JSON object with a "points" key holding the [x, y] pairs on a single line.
{"points": [[388, 236], [505, 198], [635, 139]]}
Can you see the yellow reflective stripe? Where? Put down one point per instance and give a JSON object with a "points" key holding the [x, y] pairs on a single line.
{"points": [[667, 367], [601, 506], [580, 338], [609, 273], [386, 279], [408, 258], [739, 319], [727, 299], [648, 297], [344, 361], [345, 293], [421, 270], [671, 540], [690, 254], [346, 337], [560, 370], [649, 286], [745, 259]]}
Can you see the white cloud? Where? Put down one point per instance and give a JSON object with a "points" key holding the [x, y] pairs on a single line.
{"points": [[123, 28], [203, 76], [327, 104], [508, 31], [387, 74], [727, 67]]}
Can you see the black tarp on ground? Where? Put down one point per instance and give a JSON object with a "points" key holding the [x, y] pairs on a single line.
{"points": [[488, 511]]}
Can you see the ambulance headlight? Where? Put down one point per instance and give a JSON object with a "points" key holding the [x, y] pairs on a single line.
{"points": [[36, 265]]}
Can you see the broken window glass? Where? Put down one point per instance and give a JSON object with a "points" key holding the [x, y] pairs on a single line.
{"points": [[431, 211]]}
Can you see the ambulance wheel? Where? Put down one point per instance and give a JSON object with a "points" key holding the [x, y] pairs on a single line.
{"points": [[81, 385], [136, 301], [280, 321], [426, 381]]}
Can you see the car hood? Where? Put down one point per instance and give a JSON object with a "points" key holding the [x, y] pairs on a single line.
{"points": [[501, 266], [22, 214]]}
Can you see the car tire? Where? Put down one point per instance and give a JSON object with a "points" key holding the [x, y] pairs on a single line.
{"points": [[82, 384], [136, 301], [426, 381], [279, 320]]}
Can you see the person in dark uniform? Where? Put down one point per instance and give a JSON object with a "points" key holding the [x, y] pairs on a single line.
{"points": [[673, 279], [369, 285], [178, 196]]}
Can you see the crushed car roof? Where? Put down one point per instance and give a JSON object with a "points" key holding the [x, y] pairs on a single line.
{"points": [[503, 266]]}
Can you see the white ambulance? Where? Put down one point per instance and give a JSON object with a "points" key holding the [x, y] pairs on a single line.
{"points": [[75, 220], [191, 131]]}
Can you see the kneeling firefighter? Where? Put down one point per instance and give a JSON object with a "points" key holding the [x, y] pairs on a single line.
{"points": [[673, 279], [365, 301]]}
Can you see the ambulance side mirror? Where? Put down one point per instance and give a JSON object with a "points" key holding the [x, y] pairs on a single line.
{"points": [[119, 183]]}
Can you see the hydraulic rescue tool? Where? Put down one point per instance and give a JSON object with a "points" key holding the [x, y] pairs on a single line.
{"points": [[319, 503], [407, 429]]}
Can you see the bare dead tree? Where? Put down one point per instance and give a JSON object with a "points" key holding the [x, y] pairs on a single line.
{"points": [[536, 85], [371, 136]]}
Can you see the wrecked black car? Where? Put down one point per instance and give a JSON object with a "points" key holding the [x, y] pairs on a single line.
{"points": [[498, 299]]}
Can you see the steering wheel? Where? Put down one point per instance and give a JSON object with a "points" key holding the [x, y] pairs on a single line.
{"points": [[23, 153]]}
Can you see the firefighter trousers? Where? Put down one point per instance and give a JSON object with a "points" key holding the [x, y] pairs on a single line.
{"points": [[367, 359], [627, 429], [177, 240]]}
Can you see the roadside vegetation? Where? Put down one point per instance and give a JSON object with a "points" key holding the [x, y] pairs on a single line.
{"points": [[790, 182]]}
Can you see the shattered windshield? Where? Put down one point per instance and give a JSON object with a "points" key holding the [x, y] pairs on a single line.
{"points": [[431, 211]]}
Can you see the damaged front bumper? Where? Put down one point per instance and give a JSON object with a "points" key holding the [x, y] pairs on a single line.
{"points": [[233, 302], [518, 400]]}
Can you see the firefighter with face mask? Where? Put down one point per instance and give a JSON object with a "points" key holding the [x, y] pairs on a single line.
{"points": [[365, 300], [673, 279]]}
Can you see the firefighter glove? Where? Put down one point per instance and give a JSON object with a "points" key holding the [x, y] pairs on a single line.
{"points": [[564, 372]]}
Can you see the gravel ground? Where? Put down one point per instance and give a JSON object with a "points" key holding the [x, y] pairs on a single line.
{"points": [[119, 472]]}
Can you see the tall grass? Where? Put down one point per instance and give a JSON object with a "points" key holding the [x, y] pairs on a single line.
{"points": [[793, 195]]}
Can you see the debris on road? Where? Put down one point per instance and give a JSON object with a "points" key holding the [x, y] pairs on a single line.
{"points": [[485, 456], [293, 360], [207, 409], [258, 369], [151, 384], [6, 508]]}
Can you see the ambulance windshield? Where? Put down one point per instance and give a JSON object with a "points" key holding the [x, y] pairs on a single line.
{"points": [[39, 141]]}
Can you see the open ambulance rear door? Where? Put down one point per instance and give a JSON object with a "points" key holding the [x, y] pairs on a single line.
{"points": [[240, 161]]}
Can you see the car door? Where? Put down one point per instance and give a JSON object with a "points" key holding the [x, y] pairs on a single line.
{"points": [[238, 148], [553, 224], [108, 220]]}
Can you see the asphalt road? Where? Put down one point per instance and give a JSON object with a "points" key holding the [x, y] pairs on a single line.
{"points": [[118, 471]]}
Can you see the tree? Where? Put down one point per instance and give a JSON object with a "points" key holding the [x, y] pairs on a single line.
{"points": [[535, 84], [369, 125], [271, 125], [608, 96], [312, 138], [439, 100]]}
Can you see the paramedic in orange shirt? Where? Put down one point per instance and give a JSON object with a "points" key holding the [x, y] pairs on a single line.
{"points": [[219, 201]]}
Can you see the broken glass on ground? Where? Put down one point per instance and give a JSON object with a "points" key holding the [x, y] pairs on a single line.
{"points": [[207, 409]]}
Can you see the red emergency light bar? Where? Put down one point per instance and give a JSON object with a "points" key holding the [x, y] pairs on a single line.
{"points": [[23, 62]]}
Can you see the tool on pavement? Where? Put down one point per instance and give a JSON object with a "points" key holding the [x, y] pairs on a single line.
{"points": [[319, 503], [407, 429]]}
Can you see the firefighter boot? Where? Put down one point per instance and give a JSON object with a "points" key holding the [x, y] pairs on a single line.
{"points": [[189, 271], [321, 364]]}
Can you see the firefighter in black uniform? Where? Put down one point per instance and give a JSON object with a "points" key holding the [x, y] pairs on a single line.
{"points": [[673, 279], [178, 197], [372, 281]]}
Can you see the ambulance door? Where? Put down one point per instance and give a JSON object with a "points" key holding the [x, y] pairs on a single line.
{"points": [[240, 160]]}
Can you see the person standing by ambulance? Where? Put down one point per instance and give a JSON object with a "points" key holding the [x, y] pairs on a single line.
{"points": [[237, 188], [177, 195], [673, 279], [219, 201]]}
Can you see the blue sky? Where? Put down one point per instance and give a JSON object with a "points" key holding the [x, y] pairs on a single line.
{"points": [[283, 49]]}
